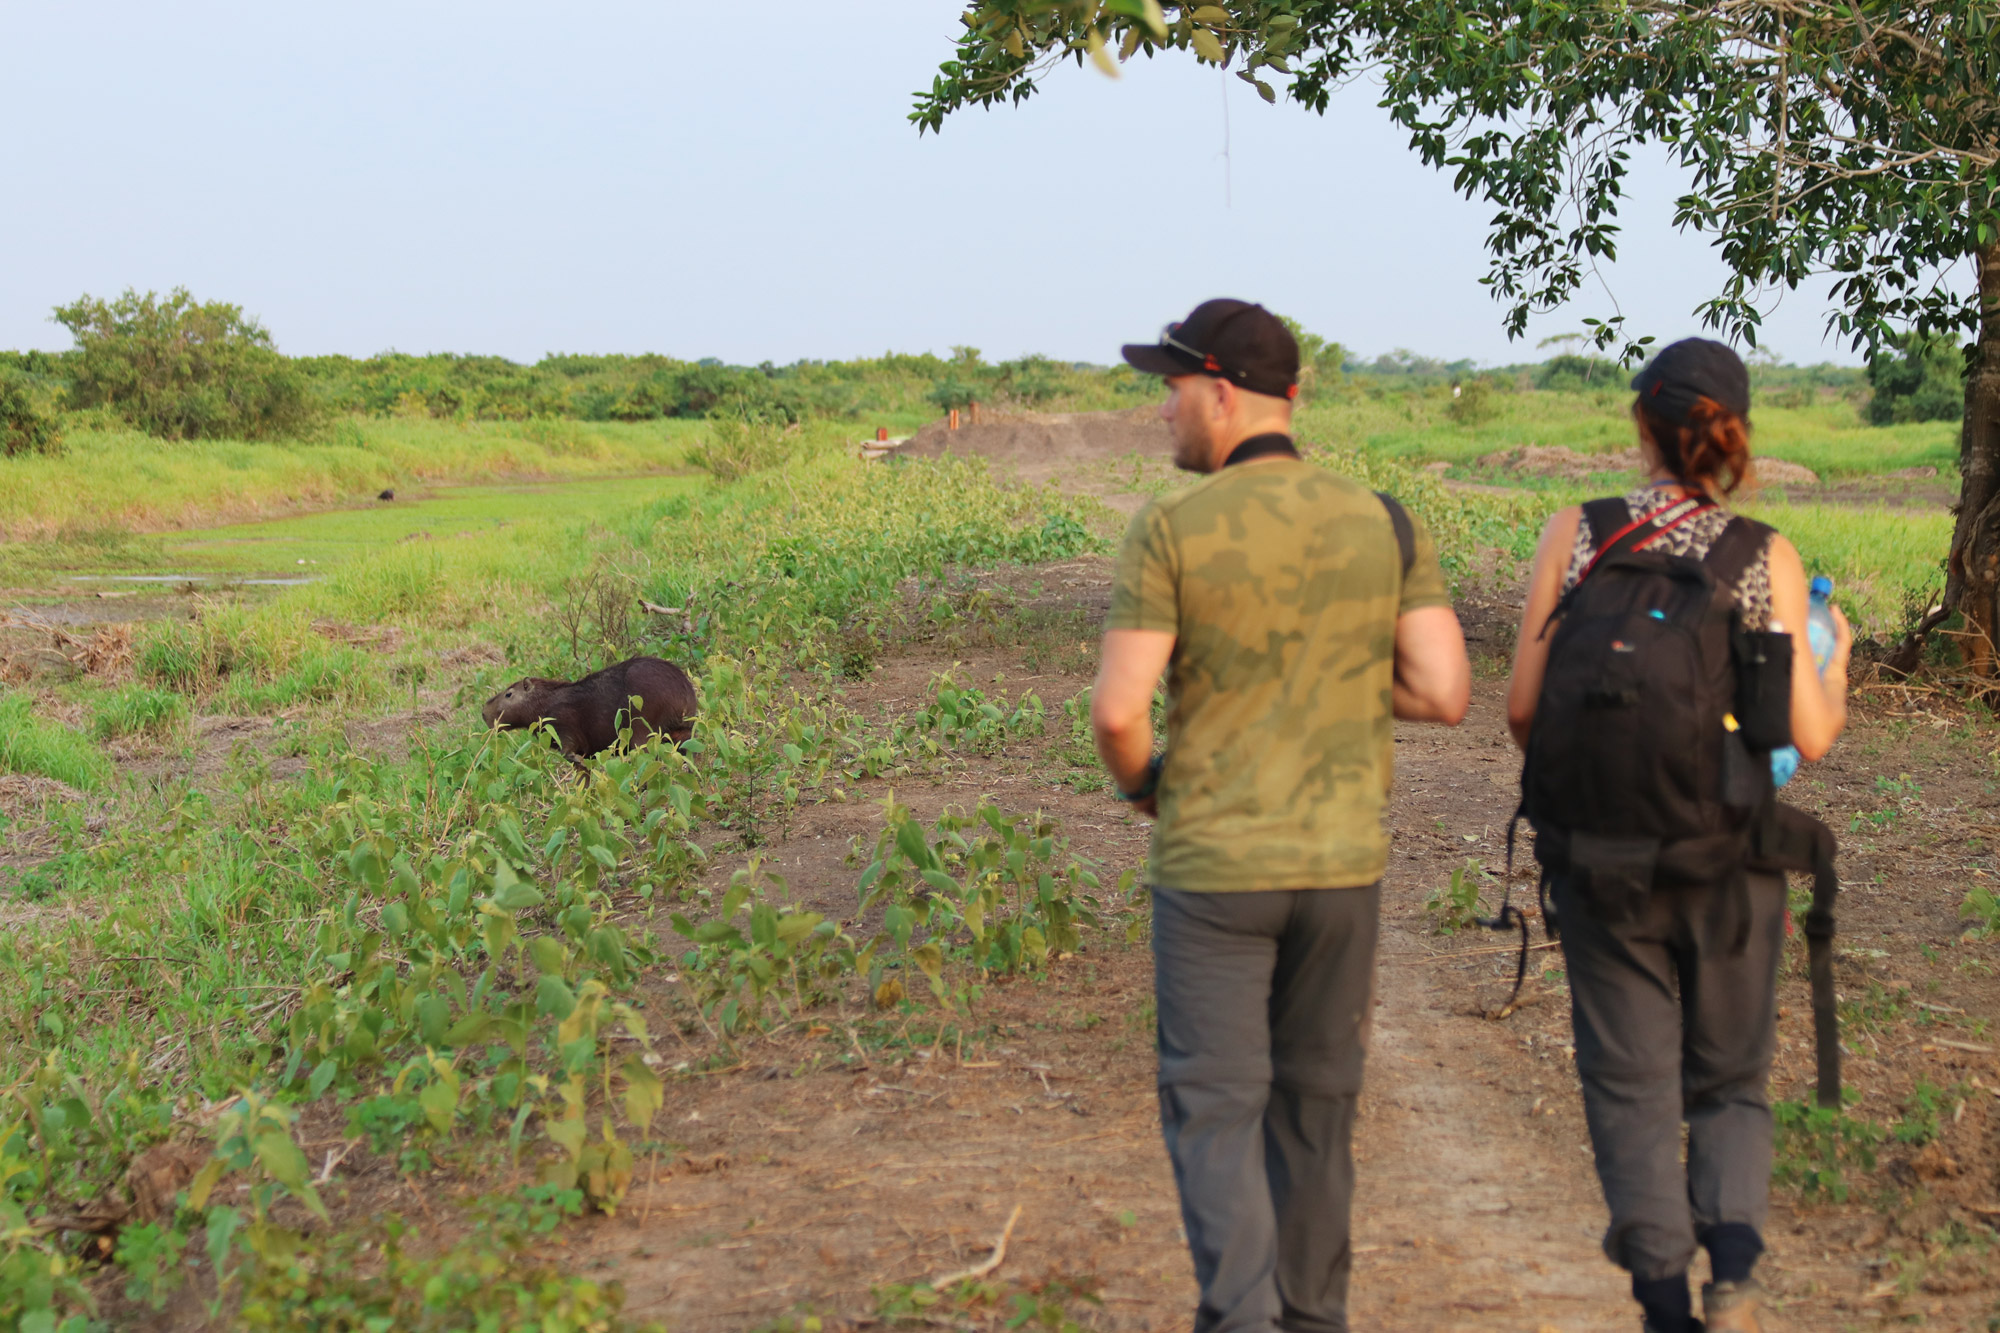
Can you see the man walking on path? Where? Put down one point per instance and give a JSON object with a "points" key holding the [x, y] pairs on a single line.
{"points": [[1295, 613]]}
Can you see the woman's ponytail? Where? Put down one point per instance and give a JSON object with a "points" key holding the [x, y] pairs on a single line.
{"points": [[1710, 453]]}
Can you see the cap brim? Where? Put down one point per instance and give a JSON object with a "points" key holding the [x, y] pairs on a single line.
{"points": [[1157, 360]]}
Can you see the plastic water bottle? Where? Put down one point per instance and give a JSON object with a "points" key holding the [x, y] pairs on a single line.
{"points": [[1820, 638], [1820, 633]]}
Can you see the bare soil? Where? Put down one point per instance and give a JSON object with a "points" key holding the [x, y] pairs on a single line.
{"points": [[800, 1180], [1110, 455]]}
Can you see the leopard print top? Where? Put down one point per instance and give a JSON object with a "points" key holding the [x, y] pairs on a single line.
{"points": [[1692, 538]]}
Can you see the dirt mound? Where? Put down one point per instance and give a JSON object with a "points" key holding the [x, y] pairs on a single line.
{"points": [[1777, 472], [1553, 460], [1042, 445]]}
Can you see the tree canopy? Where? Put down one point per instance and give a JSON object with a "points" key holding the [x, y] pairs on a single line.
{"points": [[1861, 138], [1854, 138]]}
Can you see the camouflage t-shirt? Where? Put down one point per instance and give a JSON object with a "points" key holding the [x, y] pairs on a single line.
{"points": [[1282, 583]]}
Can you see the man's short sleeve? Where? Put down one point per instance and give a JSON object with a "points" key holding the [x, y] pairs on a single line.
{"points": [[1425, 585], [1144, 592]]}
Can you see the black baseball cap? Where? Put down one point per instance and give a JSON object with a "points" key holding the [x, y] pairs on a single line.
{"points": [[1689, 369], [1232, 340]]}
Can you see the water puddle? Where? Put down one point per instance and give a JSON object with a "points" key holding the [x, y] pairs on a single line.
{"points": [[193, 578]]}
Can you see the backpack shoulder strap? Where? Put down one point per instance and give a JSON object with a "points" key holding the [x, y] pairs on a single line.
{"points": [[1633, 534], [1606, 518], [1406, 532], [1736, 548]]}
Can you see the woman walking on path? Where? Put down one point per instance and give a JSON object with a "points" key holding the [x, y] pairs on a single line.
{"points": [[1672, 972]]}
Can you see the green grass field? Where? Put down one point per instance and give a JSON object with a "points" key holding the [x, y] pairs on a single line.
{"points": [[1416, 425], [108, 483]]}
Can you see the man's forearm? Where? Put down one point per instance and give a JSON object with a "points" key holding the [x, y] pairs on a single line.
{"points": [[1126, 750]]}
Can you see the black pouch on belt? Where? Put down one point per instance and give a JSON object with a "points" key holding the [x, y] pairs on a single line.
{"points": [[1613, 874]]}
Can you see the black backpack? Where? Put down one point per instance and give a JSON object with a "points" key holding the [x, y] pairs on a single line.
{"points": [[1648, 763], [1640, 770]]}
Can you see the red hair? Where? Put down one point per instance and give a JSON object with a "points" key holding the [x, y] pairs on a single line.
{"points": [[1710, 453]]}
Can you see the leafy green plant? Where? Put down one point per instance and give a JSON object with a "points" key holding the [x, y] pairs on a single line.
{"points": [[1981, 906], [1917, 378], [150, 1254], [182, 369], [1472, 404], [1002, 887], [780, 953], [734, 447], [380, 1276], [1817, 1146], [1924, 1113], [1456, 905], [29, 424]]}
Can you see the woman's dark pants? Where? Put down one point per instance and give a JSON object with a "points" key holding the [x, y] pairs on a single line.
{"points": [[1264, 1007], [1675, 1022]]}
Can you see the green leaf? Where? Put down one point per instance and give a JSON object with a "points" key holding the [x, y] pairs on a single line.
{"points": [[910, 842], [1206, 46], [467, 1030], [439, 1101], [433, 1019], [549, 954], [517, 896], [797, 925], [1146, 11], [287, 1165], [204, 1183], [1211, 15], [396, 920], [644, 1092], [554, 998], [567, 1135]]}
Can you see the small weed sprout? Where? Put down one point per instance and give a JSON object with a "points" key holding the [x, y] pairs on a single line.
{"points": [[1456, 905]]}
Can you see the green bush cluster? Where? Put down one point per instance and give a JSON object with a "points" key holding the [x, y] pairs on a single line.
{"points": [[30, 416], [1923, 379], [182, 369]]}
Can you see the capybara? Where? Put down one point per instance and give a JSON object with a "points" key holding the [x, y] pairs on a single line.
{"points": [[586, 714]]}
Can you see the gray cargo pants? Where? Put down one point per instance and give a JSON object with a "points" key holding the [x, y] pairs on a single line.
{"points": [[1673, 1024], [1264, 1011]]}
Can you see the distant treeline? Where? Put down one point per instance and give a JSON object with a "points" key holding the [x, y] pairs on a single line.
{"points": [[182, 369]]}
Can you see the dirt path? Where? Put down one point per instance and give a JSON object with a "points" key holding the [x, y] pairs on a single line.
{"points": [[815, 1189], [802, 1183]]}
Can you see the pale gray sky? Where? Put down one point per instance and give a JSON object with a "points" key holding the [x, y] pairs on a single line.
{"points": [[725, 180]]}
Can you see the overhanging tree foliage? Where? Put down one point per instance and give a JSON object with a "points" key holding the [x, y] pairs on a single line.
{"points": [[1858, 138]]}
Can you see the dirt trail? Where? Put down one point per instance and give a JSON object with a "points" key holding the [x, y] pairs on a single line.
{"points": [[814, 1188]]}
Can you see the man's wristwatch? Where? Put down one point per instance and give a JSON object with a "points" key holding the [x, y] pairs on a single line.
{"points": [[1150, 785]]}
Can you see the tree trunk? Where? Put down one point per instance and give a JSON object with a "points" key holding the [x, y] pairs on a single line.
{"points": [[1972, 584]]}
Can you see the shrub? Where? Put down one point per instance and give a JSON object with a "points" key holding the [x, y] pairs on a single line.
{"points": [[184, 370], [28, 422], [1922, 380], [1570, 373], [135, 710], [734, 447], [1473, 404]]}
